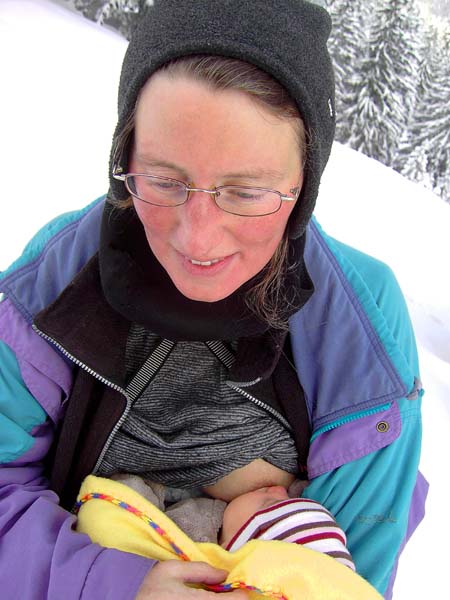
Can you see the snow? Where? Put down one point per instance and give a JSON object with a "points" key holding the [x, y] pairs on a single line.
{"points": [[57, 114], [59, 76]]}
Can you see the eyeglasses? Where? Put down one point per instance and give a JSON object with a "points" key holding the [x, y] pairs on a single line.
{"points": [[238, 200]]}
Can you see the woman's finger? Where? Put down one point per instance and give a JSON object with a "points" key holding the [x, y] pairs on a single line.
{"points": [[195, 572]]}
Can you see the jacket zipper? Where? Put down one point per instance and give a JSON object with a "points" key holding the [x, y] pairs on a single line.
{"points": [[100, 378], [349, 419], [259, 403], [232, 384], [116, 387], [227, 359]]}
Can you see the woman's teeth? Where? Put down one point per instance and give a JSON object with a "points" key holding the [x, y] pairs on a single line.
{"points": [[206, 263]]}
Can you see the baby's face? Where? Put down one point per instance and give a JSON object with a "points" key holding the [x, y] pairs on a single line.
{"points": [[243, 507]]}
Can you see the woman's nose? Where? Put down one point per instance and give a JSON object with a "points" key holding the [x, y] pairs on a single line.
{"points": [[201, 203], [202, 218]]}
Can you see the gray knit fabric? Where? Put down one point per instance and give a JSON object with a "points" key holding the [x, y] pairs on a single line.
{"points": [[189, 428]]}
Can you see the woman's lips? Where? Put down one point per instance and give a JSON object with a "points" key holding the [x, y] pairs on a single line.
{"points": [[205, 263], [206, 267]]}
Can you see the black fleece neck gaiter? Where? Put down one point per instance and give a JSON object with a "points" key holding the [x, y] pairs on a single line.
{"points": [[137, 286]]}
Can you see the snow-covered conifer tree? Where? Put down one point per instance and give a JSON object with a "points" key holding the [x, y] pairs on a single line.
{"points": [[119, 14], [425, 154], [411, 156], [390, 72], [347, 45]]}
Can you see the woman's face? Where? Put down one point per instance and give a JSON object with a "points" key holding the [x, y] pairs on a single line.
{"points": [[187, 131]]}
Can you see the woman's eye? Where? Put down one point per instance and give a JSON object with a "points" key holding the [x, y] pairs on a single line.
{"points": [[245, 195], [166, 186]]}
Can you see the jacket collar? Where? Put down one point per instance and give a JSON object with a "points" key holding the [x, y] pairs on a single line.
{"points": [[87, 329], [91, 333]]}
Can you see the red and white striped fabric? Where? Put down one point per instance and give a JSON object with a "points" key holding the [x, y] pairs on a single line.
{"points": [[299, 521]]}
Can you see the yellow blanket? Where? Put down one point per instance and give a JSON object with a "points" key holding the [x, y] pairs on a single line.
{"points": [[115, 516]]}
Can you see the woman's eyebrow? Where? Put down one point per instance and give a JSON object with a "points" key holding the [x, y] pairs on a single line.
{"points": [[256, 174], [259, 173], [153, 162]]}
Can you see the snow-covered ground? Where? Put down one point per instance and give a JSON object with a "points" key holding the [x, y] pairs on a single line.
{"points": [[59, 74]]}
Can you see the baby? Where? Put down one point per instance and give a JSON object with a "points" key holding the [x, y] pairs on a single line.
{"points": [[268, 543], [267, 513]]}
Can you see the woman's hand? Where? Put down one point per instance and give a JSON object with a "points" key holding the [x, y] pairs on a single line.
{"points": [[167, 580]]}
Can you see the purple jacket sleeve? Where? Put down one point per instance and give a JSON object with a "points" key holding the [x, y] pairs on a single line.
{"points": [[40, 555]]}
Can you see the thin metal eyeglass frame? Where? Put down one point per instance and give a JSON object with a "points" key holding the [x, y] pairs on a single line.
{"points": [[283, 197]]}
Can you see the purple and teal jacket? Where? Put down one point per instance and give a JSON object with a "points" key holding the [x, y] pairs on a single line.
{"points": [[356, 358]]}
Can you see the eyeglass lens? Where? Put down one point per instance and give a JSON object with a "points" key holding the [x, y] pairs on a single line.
{"points": [[237, 200]]}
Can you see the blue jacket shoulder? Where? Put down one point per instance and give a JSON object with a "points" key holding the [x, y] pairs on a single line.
{"points": [[52, 259], [354, 328]]}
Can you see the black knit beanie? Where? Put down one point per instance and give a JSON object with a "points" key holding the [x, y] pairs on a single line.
{"points": [[285, 38]]}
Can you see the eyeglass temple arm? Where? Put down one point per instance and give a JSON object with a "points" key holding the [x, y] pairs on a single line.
{"points": [[117, 173], [294, 191]]}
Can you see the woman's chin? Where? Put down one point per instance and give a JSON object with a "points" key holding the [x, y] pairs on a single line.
{"points": [[210, 283], [203, 295]]}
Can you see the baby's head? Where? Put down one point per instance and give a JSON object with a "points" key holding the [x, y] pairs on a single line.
{"points": [[270, 513], [239, 510]]}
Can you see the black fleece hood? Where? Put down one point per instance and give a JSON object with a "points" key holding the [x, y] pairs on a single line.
{"points": [[285, 38]]}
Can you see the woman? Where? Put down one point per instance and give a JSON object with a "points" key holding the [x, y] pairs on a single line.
{"points": [[197, 328]]}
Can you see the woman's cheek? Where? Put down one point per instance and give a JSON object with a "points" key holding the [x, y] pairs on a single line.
{"points": [[156, 220], [262, 231]]}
